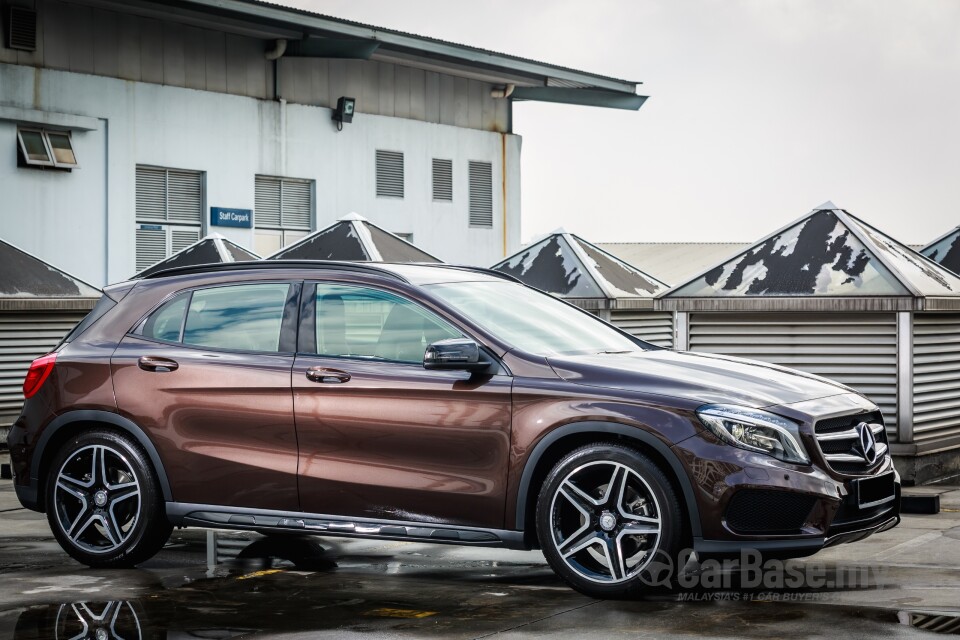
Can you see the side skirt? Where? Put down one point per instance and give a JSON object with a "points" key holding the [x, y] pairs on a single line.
{"points": [[183, 514]]}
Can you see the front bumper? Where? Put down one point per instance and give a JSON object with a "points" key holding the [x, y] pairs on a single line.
{"points": [[749, 501]]}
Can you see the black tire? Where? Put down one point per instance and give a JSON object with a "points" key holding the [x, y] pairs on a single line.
{"points": [[104, 503], [603, 502]]}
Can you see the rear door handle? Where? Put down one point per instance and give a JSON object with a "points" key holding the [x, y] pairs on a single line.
{"points": [[327, 376], [157, 365]]}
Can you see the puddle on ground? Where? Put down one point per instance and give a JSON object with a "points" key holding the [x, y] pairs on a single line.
{"points": [[295, 586]]}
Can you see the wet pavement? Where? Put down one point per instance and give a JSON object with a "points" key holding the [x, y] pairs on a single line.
{"points": [[895, 584]]}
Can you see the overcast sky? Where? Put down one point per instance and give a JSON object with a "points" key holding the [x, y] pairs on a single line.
{"points": [[759, 110]]}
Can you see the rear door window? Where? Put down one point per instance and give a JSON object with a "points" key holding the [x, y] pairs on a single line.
{"points": [[245, 317]]}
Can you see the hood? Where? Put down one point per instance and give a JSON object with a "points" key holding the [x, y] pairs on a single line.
{"points": [[697, 377]]}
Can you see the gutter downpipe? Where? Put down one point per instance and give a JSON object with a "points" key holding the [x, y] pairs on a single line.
{"points": [[280, 47]]}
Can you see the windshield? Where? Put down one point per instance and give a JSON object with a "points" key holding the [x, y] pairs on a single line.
{"points": [[532, 321]]}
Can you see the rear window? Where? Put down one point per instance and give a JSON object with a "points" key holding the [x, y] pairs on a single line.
{"points": [[103, 305]]}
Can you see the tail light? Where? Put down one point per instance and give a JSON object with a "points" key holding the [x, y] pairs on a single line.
{"points": [[39, 372]]}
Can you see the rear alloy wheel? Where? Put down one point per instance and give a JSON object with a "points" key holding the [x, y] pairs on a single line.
{"points": [[103, 502], [604, 514]]}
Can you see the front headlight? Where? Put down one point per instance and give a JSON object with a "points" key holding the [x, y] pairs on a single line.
{"points": [[755, 430]]}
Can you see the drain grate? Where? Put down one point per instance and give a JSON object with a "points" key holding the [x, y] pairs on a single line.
{"points": [[938, 623]]}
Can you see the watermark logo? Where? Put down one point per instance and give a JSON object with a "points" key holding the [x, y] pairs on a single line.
{"points": [[752, 576]]}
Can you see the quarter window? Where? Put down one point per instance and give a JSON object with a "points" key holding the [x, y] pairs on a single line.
{"points": [[166, 322], [365, 323]]}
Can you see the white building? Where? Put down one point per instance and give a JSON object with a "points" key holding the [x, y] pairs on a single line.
{"points": [[128, 126]]}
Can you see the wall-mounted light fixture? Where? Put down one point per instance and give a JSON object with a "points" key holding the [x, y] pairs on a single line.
{"points": [[344, 111]]}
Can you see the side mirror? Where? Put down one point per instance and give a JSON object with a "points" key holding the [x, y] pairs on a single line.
{"points": [[454, 354]]}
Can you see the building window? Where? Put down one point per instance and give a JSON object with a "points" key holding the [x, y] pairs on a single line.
{"points": [[389, 174], [43, 148], [481, 194], [169, 212], [442, 180], [283, 210]]}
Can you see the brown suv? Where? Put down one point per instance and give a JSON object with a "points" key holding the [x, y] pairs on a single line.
{"points": [[433, 404]]}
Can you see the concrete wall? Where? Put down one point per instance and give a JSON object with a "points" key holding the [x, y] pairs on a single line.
{"points": [[83, 221]]}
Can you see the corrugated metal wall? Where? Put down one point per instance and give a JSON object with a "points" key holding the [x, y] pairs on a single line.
{"points": [[858, 350], [936, 375], [653, 326], [24, 337], [85, 39]]}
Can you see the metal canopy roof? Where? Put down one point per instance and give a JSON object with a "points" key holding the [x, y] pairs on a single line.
{"points": [[945, 250], [210, 249], [566, 265], [673, 261], [29, 283], [314, 34], [355, 238], [826, 254]]}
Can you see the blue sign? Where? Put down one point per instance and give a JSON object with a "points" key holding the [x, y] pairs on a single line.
{"points": [[151, 227], [224, 217]]}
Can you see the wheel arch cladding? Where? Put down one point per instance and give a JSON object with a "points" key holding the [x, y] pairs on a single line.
{"points": [[71, 423], [562, 440]]}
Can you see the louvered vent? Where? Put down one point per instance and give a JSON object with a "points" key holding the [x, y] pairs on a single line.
{"points": [[184, 196], [180, 239], [389, 174], [296, 204], [172, 195], [481, 194], [22, 31], [282, 203], [442, 180], [151, 193], [151, 247], [267, 201]]}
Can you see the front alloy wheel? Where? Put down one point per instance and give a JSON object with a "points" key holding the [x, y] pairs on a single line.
{"points": [[604, 513], [103, 501]]}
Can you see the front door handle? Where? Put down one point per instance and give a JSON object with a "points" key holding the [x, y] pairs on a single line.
{"points": [[328, 376], [157, 365]]}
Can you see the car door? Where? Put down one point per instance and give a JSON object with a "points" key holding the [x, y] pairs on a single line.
{"points": [[207, 375], [380, 436]]}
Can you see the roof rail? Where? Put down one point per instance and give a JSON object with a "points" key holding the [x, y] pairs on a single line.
{"points": [[253, 265]]}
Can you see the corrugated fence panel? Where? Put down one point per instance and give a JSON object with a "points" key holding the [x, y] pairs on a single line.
{"points": [[936, 375], [23, 338], [652, 326], [858, 350]]}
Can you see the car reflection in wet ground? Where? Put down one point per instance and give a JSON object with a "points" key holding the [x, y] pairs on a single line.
{"points": [[385, 589]]}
